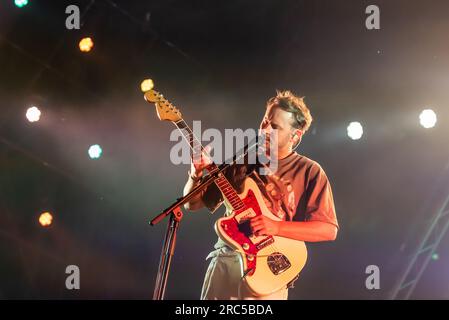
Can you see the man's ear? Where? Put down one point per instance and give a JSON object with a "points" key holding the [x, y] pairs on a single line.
{"points": [[297, 136]]}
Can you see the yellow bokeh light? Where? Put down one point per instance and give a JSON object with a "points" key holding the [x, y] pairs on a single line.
{"points": [[86, 44], [45, 219], [146, 85]]}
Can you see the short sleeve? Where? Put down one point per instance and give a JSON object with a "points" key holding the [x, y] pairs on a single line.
{"points": [[320, 201]]}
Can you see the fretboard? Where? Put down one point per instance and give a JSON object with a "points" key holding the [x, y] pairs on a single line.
{"points": [[222, 183]]}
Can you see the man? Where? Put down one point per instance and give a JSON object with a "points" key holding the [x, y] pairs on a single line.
{"points": [[298, 192]]}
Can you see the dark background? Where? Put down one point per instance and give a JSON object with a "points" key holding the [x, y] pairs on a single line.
{"points": [[218, 61]]}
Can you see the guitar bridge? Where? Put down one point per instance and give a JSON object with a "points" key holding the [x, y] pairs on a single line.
{"points": [[278, 263], [265, 243]]}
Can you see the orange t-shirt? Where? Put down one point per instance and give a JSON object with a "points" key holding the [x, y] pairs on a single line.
{"points": [[298, 190]]}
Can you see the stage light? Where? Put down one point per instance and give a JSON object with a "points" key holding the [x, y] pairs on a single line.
{"points": [[146, 85], [355, 130], [435, 256], [20, 3], [45, 219], [95, 151], [86, 44], [33, 114], [428, 118]]}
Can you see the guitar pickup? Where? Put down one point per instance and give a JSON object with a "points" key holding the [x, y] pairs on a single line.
{"points": [[265, 243]]}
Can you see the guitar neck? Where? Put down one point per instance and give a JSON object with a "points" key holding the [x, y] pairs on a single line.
{"points": [[221, 182]]}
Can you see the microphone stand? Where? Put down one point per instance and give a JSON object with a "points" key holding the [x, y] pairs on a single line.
{"points": [[176, 214]]}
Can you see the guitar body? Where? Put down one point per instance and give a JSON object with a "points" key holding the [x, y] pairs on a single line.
{"points": [[268, 263]]}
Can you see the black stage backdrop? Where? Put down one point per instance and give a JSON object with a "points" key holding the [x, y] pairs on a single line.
{"points": [[219, 62]]}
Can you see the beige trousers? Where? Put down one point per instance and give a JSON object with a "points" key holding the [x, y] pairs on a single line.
{"points": [[223, 280]]}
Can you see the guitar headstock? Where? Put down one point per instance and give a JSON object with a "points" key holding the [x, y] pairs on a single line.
{"points": [[165, 110]]}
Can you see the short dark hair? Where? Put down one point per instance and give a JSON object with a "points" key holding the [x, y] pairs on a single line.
{"points": [[289, 102]]}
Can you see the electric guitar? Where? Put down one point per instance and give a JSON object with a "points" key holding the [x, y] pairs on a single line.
{"points": [[268, 263]]}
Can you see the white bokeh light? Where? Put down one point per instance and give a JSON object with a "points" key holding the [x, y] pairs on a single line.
{"points": [[33, 114], [95, 151], [355, 130], [428, 118]]}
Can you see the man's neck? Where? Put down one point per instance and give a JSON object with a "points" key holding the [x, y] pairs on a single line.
{"points": [[282, 154]]}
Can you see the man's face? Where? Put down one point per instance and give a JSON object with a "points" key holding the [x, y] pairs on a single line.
{"points": [[276, 118]]}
